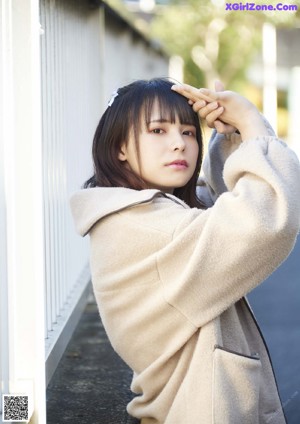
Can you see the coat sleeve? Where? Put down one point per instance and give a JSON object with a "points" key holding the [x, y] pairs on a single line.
{"points": [[211, 184], [218, 255]]}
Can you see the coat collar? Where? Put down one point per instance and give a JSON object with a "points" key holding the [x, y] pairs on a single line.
{"points": [[90, 205]]}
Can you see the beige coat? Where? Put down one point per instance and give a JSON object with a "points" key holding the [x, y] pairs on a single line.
{"points": [[170, 283]]}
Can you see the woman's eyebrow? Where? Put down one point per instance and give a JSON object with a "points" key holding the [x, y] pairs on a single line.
{"points": [[164, 120], [168, 120]]}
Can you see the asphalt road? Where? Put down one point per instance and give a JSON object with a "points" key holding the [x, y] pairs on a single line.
{"points": [[276, 304]]}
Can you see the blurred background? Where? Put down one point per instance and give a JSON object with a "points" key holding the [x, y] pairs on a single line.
{"points": [[256, 53], [60, 61]]}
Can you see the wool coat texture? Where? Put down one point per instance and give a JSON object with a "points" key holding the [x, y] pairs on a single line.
{"points": [[170, 282]]}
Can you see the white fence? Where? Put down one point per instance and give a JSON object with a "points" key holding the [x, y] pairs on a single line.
{"points": [[60, 60], [71, 105]]}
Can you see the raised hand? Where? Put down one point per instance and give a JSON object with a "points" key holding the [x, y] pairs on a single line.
{"points": [[224, 110], [210, 111]]}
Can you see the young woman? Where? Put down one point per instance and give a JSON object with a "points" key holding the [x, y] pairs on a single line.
{"points": [[172, 261]]}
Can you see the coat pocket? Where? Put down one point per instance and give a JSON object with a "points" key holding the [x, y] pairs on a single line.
{"points": [[236, 382]]}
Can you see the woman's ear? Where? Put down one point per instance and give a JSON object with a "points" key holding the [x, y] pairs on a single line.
{"points": [[122, 156]]}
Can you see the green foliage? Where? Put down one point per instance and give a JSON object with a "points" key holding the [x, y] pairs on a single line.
{"points": [[215, 43]]}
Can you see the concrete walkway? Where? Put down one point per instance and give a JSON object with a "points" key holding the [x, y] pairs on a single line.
{"points": [[91, 383]]}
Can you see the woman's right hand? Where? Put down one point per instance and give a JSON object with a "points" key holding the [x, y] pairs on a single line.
{"points": [[210, 112], [225, 110]]}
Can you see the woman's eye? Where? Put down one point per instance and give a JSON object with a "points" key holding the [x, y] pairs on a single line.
{"points": [[157, 131], [189, 133]]}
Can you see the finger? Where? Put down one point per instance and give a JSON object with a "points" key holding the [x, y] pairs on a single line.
{"points": [[195, 94], [212, 116], [230, 129], [219, 86], [187, 91], [223, 128], [199, 104], [208, 95], [204, 111], [220, 126]]}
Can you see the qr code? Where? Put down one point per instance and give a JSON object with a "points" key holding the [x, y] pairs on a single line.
{"points": [[15, 408]]}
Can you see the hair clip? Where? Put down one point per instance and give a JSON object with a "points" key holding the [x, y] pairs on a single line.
{"points": [[112, 99]]}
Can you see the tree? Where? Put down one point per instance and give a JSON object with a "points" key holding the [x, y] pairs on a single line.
{"points": [[215, 42]]}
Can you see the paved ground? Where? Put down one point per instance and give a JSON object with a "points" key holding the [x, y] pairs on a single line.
{"points": [[91, 384], [276, 304]]}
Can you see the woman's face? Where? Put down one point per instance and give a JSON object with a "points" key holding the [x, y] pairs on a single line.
{"points": [[168, 152]]}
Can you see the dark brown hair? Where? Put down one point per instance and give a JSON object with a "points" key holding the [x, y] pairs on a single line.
{"points": [[134, 103]]}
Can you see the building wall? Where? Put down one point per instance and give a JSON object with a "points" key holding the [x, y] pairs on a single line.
{"points": [[128, 57]]}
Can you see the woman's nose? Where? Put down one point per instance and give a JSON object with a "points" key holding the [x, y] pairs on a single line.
{"points": [[178, 142]]}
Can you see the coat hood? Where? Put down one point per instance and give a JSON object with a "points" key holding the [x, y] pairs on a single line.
{"points": [[90, 205]]}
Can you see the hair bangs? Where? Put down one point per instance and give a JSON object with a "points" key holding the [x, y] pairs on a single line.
{"points": [[171, 105]]}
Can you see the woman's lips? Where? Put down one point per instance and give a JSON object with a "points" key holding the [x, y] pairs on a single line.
{"points": [[178, 164]]}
